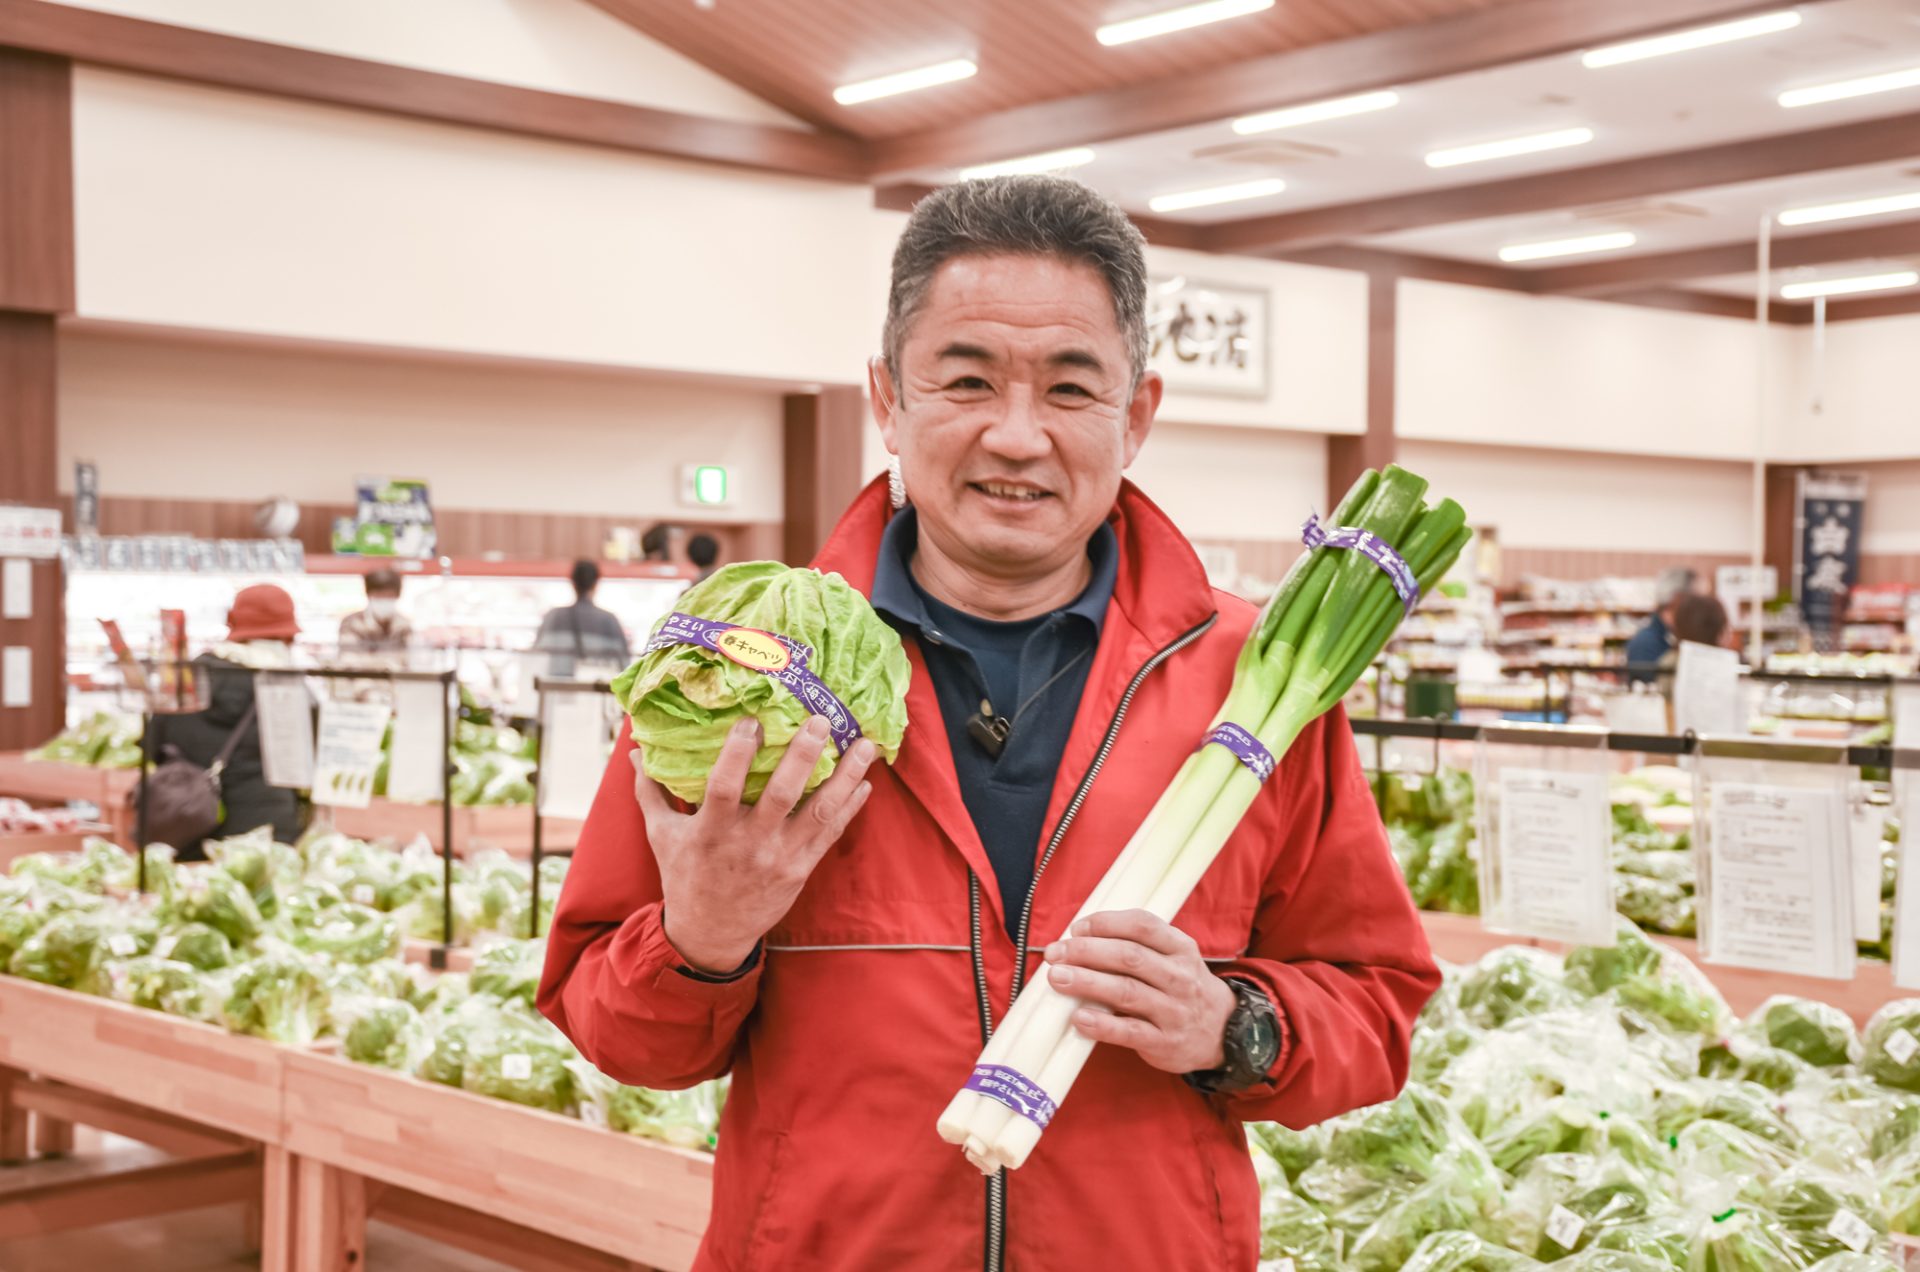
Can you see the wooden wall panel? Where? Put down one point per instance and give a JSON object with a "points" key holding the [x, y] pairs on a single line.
{"points": [[1349, 456], [27, 475], [36, 183], [1594, 563], [463, 532], [1890, 567], [821, 452]]}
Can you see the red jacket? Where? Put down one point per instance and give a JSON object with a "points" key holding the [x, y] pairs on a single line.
{"points": [[862, 1017]]}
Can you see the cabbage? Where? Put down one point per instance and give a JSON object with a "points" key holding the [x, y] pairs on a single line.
{"points": [[684, 699], [1889, 1057]]}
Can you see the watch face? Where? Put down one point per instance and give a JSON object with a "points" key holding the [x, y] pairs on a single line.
{"points": [[1262, 1042]]}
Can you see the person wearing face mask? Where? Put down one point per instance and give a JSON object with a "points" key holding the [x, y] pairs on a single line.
{"points": [[380, 628]]}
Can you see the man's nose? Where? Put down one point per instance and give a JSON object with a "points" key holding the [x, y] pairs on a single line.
{"points": [[1018, 433]]}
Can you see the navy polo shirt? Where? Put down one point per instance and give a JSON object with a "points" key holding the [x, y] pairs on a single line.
{"points": [[1032, 670]]}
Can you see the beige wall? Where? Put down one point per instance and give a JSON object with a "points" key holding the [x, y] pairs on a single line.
{"points": [[1542, 498], [165, 418], [1863, 389], [563, 46], [232, 212]]}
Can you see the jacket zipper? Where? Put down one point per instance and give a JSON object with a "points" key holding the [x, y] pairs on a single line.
{"points": [[996, 1252]]}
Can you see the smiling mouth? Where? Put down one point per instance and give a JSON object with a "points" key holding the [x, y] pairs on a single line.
{"points": [[1010, 492]]}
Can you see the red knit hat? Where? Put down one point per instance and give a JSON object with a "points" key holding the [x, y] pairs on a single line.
{"points": [[262, 612]]}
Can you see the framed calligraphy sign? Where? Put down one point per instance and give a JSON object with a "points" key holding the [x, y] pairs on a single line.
{"points": [[1207, 338]]}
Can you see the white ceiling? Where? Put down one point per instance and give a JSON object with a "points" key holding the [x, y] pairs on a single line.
{"points": [[1679, 102]]}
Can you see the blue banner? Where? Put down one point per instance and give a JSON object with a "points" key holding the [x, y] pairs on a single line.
{"points": [[1831, 513]]}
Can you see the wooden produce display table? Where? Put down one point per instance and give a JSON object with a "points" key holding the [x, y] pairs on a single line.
{"points": [[1461, 938], [16, 846], [47, 782], [561, 1184], [506, 827]]}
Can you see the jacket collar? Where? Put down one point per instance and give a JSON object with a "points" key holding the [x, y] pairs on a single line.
{"points": [[1160, 593]]}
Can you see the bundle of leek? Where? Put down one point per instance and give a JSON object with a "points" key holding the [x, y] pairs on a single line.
{"points": [[1329, 620]]}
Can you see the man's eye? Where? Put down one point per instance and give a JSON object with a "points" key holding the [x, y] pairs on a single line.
{"points": [[969, 382], [1072, 390]]}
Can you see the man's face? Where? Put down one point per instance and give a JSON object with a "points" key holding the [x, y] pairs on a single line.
{"points": [[1016, 411]]}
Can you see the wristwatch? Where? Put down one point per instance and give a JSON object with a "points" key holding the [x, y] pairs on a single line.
{"points": [[1252, 1043]]}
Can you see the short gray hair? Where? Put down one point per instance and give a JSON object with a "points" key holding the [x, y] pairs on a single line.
{"points": [[1019, 215], [1673, 583]]}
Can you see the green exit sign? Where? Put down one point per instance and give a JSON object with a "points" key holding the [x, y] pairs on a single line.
{"points": [[704, 484]]}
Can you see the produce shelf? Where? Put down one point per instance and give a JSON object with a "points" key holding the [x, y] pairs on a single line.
{"points": [[1459, 938], [13, 846], [506, 827], [49, 782]]}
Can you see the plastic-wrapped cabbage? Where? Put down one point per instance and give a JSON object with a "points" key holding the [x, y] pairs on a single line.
{"points": [[1462, 1196], [1752, 1108], [1290, 1228], [1666, 1240], [1464, 1252], [1743, 1059], [1718, 1164], [206, 894], [683, 699], [423, 917], [509, 970], [449, 1026], [1449, 879], [520, 1063], [1292, 1151], [351, 933], [1818, 1211], [1741, 1241], [65, 951], [18, 922], [161, 984], [363, 873], [268, 869], [1896, 1129], [196, 945], [1890, 1048], [1564, 1200], [280, 997], [685, 1119], [384, 1032], [1510, 983], [1649, 980], [1818, 1033], [105, 739], [1851, 1262]]}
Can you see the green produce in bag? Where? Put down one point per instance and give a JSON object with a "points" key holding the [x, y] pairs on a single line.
{"points": [[1293, 1151], [352, 934], [1818, 1033], [1740, 1241], [196, 945], [384, 1032], [207, 894], [64, 951], [279, 997], [1851, 1262], [1666, 1240], [509, 970], [1465, 1252], [1597, 1260], [1461, 1197], [1510, 983], [161, 984], [1891, 1045], [524, 1065], [683, 695], [1822, 1213]]}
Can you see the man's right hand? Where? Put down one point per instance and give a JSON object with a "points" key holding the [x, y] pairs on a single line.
{"points": [[729, 871]]}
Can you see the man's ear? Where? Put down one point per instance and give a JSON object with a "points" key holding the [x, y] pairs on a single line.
{"points": [[880, 400], [1141, 409]]}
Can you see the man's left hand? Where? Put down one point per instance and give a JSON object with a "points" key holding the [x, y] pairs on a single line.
{"points": [[1144, 986]]}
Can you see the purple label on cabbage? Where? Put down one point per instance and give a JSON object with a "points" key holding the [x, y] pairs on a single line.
{"points": [[1371, 546], [1015, 1090], [770, 654], [1246, 748]]}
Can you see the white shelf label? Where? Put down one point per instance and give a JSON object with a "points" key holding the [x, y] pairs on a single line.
{"points": [[284, 716], [1850, 1230], [1565, 1227], [1554, 872], [1777, 872], [516, 1068], [348, 752]]}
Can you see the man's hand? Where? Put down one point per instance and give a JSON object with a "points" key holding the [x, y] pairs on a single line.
{"points": [[1144, 986], [729, 870]]}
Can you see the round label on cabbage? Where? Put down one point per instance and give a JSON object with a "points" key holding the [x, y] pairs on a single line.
{"points": [[683, 699]]}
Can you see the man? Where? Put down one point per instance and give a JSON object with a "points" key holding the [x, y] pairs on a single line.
{"points": [[581, 633], [1654, 640], [844, 957], [380, 627], [703, 553]]}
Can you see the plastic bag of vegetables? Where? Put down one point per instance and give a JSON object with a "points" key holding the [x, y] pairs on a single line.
{"points": [[516, 1059], [1891, 1045], [1465, 1252], [160, 984], [351, 933], [744, 643], [509, 970], [207, 894], [281, 997], [381, 1031], [1818, 1033]]}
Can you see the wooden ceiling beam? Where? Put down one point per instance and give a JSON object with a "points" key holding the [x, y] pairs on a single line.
{"points": [[225, 61], [1620, 273], [1871, 141], [1854, 308], [1384, 59]]}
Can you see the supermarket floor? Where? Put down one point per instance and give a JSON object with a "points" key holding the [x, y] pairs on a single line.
{"points": [[210, 1240]]}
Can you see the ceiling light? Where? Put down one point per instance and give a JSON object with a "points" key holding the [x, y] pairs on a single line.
{"points": [[1847, 211], [1843, 89], [1697, 38], [1181, 19], [1051, 161], [1512, 146], [1568, 247], [1847, 286], [1314, 112], [1217, 194], [904, 82]]}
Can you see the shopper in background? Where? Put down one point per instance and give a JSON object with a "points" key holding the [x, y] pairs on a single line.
{"points": [[380, 628], [260, 630], [1697, 620], [847, 985], [703, 551], [582, 633], [657, 543], [1654, 640]]}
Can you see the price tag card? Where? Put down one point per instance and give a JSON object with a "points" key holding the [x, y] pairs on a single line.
{"points": [[1706, 690], [575, 740], [1777, 878], [284, 715], [416, 773], [1550, 868], [1565, 1227], [1866, 827], [348, 752], [1906, 900]]}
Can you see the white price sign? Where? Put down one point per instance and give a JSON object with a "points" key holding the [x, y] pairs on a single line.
{"points": [[1552, 844], [284, 714], [1778, 869], [1706, 690], [575, 740], [348, 752], [417, 773], [29, 532]]}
